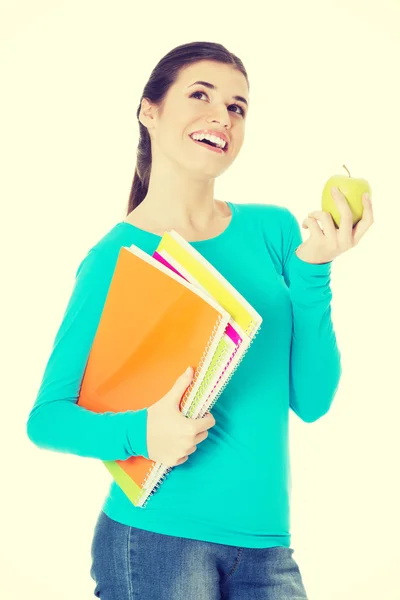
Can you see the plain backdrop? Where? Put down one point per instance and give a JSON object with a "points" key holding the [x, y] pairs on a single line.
{"points": [[324, 92]]}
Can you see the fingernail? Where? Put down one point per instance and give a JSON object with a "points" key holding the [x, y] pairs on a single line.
{"points": [[335, 189], [367, 196]]}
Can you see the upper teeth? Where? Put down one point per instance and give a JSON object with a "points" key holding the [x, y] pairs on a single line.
{"points": [[212, 138]]}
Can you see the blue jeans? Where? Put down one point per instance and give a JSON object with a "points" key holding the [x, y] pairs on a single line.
{"points": [[130, 563]]}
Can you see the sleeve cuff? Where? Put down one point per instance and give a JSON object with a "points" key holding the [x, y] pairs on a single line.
{"points": [[138, 432], [297, 265]]}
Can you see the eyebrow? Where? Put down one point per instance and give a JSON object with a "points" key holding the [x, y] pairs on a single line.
{"points": [[212, 87]]}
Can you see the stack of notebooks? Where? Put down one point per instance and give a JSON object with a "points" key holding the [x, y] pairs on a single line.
{"points": [[163, 313]]}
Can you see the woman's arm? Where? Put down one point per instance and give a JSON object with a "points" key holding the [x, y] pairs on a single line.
{"points": [[315, 366], [56, 422]]}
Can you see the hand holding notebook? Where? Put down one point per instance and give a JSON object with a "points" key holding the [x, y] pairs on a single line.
{"points": [[171, 436]]}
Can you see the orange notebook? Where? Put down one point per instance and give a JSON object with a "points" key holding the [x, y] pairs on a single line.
{"points": [[153, 326]]}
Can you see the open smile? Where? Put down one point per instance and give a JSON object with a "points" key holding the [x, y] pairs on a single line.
{"points": [[209, 146]]}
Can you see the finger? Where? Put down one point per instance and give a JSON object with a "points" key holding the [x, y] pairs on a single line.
{"points": [[204, 423], [345, 233], [328, 225], [315, 229], [368, 213], [365, 223], [200, 437]]}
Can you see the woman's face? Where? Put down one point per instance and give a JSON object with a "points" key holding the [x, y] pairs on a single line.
{"points": [[190, 107]]}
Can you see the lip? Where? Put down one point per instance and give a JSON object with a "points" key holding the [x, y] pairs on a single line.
{"points": [[220, 134], [217, 150], [216, 132]]}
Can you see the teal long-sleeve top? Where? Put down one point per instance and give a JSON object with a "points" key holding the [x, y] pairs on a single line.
{"points": [[235, 489]]}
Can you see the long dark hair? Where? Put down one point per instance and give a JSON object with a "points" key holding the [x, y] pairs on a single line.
{"points": [[162, 77]]}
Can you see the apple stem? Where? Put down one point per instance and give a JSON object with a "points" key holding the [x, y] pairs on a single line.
{"points": [[344, 166]]}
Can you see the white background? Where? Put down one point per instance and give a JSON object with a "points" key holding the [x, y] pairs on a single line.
{"points": [[324, 90]]}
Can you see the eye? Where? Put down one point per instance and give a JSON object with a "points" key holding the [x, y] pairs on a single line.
{"points": [[237, 105]]}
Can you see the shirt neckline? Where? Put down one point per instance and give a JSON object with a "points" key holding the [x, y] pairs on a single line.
{"points": [[155, 236]]}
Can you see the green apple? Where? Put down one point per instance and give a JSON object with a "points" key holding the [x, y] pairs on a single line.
{"points": [[352, 189]]}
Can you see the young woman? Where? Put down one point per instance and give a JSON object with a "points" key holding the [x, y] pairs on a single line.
{"points": [[219, 525]]}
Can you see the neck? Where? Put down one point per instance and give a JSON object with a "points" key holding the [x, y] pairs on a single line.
{"points": [[175, 201]]}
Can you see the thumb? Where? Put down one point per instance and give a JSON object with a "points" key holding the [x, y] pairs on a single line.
{"points": [[180, 385]]}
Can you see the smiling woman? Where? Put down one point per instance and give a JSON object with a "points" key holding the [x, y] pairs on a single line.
{"points": [[203, 534]]}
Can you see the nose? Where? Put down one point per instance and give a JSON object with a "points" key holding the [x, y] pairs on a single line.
{"points": [[222, 117]]}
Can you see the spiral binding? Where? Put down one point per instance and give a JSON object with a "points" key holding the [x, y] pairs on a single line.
{"points": [[202, 360], [221, 360], [154, 489], [207, 407], [251, 331]]}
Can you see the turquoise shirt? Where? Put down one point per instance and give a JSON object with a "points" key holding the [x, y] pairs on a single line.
{"points": [[235, 489]]}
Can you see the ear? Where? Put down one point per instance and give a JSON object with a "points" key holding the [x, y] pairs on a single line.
{"points": [[147, 113]]}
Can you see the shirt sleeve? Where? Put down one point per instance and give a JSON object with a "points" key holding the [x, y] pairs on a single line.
{"points": [[315, 363], [56, 422]]}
